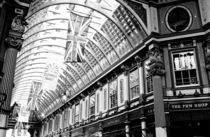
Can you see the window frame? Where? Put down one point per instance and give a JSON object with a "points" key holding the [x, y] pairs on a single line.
{"points": [[50, 127], [97, 102], [92, 107], [80, 110], [121, 90], [86, 108], [136, 87], [76, 116], [115, 95], [105, 92], [65, 118], [57, 123], [196, 67]]}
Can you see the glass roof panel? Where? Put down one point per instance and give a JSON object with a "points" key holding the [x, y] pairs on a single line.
{"points": [[106, 30]]}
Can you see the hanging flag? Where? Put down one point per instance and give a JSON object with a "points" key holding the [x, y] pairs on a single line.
{"points": [[35, 95], [76, 38]]}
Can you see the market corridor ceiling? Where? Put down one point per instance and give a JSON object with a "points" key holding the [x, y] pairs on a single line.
{"points": [[107, 29]]}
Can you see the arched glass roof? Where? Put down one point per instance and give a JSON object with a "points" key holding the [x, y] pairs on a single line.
{"points": [[107, 29]]}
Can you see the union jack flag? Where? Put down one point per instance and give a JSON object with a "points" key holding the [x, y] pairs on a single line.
{"points": [[35, 95], [76, 38]]}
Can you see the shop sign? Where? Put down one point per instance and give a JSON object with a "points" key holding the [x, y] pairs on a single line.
{"points": [[189, 106]]}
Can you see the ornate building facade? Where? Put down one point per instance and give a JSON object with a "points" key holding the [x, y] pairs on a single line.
{"points": [[145, 72], [12, 25]]}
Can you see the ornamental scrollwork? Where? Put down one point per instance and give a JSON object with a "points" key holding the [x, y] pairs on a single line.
{"points": [[156, 65]]}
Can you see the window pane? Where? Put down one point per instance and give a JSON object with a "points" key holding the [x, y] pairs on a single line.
{"points": [[92, 105], [178, 77], [193, 78], [121, 91], [97, 103], [105, 96], [186, 77], [113, 93], [86, 112], [134, 82], [76, 113]]}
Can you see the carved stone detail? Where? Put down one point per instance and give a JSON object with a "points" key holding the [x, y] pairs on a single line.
{"points": [[156, 65], [18, 24], [14, 42]]}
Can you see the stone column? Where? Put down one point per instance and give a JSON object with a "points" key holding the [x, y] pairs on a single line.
{"points": [[127, 126], [7, 84], [157, 71], [143, 126], [100, 130]]}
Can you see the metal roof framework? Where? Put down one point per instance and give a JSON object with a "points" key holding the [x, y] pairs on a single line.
{"points": [[109, 37]]}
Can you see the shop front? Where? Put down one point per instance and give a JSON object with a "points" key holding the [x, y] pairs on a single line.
{"points": [[189, 119], [114, 127], [135, 123], [92, 130]]}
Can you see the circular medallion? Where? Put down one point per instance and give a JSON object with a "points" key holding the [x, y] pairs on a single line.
{"points": [[178, 19]]}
